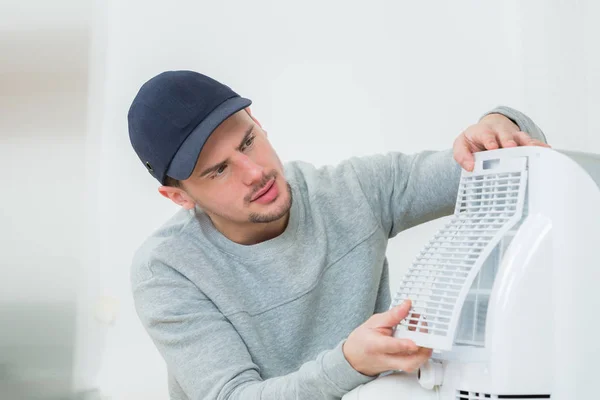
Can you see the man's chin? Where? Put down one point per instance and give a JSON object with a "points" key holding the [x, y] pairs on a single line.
{"points": [[280, 208]]}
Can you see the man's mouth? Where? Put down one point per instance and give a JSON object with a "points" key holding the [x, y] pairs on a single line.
{"points": [[264, 190]]}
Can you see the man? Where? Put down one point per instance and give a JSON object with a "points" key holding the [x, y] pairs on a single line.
{"points": [[272, 281]]}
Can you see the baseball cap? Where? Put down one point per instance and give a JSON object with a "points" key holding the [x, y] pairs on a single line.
{"points": [[172, 116]]}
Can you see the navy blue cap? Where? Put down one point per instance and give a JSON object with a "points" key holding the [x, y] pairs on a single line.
{"points": [[172, 116]]}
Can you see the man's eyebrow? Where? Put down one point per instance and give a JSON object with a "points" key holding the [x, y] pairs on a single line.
{"points": [[217, 166]]}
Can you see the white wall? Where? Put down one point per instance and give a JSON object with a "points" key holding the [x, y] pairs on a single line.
{"points": [[329, 80], [43, 90]]}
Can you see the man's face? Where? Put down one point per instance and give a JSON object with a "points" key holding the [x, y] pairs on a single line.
{"points": [[238, 177]]}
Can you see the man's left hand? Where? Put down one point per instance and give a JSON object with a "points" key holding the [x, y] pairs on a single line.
{"points": [[492, 132]]}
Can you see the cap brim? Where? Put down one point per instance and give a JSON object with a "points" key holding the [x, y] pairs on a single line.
{"points": [[185, 159]]}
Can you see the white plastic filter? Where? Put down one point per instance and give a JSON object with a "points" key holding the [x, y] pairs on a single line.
{"points": [[490, 202]]}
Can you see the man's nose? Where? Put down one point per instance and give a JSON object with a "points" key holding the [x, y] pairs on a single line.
{"points": [[250, 171]]}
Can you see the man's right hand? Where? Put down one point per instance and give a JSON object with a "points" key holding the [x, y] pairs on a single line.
{"points": [[371, 349]]}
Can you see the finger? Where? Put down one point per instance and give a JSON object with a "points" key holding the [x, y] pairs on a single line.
{"points": [[525, 140], [486, 139], [413, 322], [421, 324], [522, 138], [417, 322], [390, 318], [409, 363], [506, 139], [536, 142], [462, 153], [392, 345], [424, 353]]}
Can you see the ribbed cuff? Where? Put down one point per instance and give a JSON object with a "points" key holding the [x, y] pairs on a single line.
{"points": [[521, 120], [339, 371]]}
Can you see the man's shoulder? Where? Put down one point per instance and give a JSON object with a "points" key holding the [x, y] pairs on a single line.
{"points": [[160, 245], [338, 179], [312, 176], [344, 167], [333, 189]]}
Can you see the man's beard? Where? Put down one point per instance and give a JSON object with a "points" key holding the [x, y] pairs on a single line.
{"points": [[273, 216]]}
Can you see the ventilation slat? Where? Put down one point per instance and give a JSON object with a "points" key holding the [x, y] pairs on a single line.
{"points": [[491, 192], [422, 321], [465, 257], [438, 298], [438, 286], [456, 230], [437, 255], [457, 247], [448, 304], [494, 208], [490, 213], [439, 269], [429, 266]]}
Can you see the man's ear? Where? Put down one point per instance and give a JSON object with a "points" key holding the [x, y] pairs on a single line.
{"points": [[177, 196]]}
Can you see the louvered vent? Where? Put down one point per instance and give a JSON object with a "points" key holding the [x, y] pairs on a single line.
{"points": [[489, 202], [464, 395]]}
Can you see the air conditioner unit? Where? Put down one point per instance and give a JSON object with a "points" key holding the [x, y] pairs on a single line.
{"points": [[508, 291]]}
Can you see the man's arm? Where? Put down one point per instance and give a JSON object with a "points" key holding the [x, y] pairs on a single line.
{"points": [[209, 359], [407, 190]]}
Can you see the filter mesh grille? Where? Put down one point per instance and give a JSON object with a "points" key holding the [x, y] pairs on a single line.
{"points": [[489, 203]]}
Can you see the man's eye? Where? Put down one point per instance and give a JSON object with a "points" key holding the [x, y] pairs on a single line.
{"points": [[249, 142], [219, 171]]}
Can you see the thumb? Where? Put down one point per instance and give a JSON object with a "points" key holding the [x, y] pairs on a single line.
{"points": [[463, 154], [392, 317]]}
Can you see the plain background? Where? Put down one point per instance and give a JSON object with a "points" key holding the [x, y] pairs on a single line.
{"points": [[329, 80]]}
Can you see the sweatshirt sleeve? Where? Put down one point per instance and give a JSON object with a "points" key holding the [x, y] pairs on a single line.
{"points": [[209, 359], [524, 123], [407, 190]]}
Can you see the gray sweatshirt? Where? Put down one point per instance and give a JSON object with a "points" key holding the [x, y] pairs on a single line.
{"points": [[268, 321]]}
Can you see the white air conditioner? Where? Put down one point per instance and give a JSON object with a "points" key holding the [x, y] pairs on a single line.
{"points": [[507, 293]]}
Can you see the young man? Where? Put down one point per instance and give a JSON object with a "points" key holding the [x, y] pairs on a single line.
{"points": [[272, 281]]}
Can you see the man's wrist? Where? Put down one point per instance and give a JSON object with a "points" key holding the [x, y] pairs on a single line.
{"points": [[339, 370]]}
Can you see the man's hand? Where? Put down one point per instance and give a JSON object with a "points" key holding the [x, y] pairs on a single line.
{"points": [[371, 349], [492, 132]]}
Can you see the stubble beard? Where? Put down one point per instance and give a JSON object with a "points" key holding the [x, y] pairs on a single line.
{"points": [[259, 218]]}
